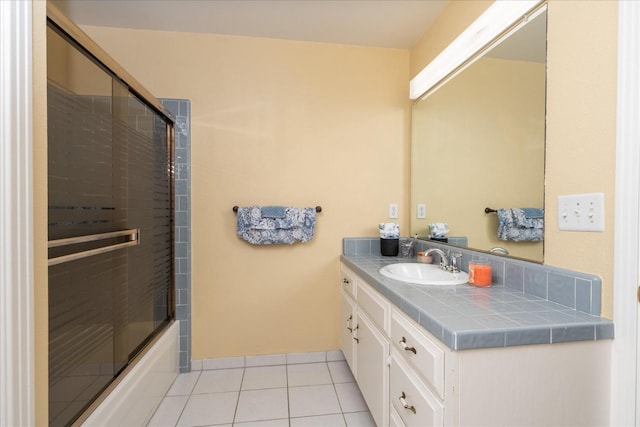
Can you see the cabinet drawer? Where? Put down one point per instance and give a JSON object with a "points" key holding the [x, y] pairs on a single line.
{"points": [[348, 281], [375, 305], [419, 351], [412, 400]]}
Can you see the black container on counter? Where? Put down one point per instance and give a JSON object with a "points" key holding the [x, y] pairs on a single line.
{"points": [[389, 247]]}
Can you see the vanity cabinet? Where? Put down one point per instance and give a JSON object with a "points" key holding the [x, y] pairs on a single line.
{"points": [[347, 316], [409, 378], [365, 341]]}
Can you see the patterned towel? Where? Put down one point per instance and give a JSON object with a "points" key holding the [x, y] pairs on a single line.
{"points": [[297, 225], [521, 224]]}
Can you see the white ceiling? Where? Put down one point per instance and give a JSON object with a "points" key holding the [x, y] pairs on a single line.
{"points": [[380, 23]]}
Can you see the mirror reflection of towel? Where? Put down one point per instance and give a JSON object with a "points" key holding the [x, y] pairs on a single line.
{"points": [[297, 225], [521, 224]]}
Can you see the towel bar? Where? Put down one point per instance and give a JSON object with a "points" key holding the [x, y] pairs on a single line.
{"points": [[489, 210], [318, 209]]}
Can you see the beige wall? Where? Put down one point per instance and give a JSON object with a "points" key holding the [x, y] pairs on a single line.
{"points": [[581, 107], [277, 122], [581, 137]]}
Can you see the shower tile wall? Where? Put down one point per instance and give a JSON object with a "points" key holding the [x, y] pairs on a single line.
{"points": [[181, 109]]}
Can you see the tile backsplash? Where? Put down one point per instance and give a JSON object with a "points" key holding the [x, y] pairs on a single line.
{"points": [[580, 291]]}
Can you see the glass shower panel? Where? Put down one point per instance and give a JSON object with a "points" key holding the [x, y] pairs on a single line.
{"points": [[150, 209], [84, 200], [110, 226]]}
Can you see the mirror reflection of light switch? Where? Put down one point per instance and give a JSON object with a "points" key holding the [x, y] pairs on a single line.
{"points": [[422, 211]]}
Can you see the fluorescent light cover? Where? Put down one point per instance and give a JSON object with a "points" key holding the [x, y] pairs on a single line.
{"points": [[494, 21]]}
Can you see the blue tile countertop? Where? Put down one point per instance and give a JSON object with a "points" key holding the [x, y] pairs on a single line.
{"points": [[466, 317]]}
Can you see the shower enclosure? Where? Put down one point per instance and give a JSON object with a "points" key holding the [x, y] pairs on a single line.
{"points": [[110, 221]]}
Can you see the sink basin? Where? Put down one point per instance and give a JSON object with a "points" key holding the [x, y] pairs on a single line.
{"points": [[423, 274]]}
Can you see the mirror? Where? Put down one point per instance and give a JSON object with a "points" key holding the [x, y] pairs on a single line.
{"points": [[478, 141]]}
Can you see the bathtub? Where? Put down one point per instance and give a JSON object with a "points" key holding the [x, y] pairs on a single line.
{"points": [[133, 398]]}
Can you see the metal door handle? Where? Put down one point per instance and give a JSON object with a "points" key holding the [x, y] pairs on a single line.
{"points": [[133, 235], [405, 404], [403, 343]]}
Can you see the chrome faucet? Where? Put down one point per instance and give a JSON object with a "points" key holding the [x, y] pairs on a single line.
{"points": [[444, 262]]}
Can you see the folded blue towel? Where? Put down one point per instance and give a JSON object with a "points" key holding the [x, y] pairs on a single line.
{"points": [[531, 213], [514, 224], [297, 225], [273, 211]]}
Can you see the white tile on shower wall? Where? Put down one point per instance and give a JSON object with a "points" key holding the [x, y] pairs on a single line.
{"points": [[196, 364]]}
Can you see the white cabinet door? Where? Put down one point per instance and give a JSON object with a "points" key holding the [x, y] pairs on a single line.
{"points": [[347, 323], [372, 350]]}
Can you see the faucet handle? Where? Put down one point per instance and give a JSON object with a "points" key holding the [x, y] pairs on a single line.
{"points": [[455, 262]]}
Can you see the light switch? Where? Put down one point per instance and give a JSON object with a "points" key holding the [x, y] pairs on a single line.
{"points": [[581, 212]]}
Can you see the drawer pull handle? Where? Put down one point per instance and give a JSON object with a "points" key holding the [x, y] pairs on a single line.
{"points": [[406, 405], [403, 343], [349, 328], [356, 340]]}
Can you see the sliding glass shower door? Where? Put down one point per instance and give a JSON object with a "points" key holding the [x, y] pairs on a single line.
{"points": [[110, 226]]}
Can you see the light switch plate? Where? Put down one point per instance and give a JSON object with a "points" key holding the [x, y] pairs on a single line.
{"points": [[393, 210], [421, 211], [581, 212]]}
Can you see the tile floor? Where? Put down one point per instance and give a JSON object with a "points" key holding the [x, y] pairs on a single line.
{"points": [[315, 393]]}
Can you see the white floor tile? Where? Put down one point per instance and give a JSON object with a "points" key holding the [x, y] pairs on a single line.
{"points": [[268, 423], [209, 409], [334, 420], [350, 397], [219, 380], [264, 377], [359, 419], [335, 355], [260, 405], [312, 357], [223, 363], [267, 360], [308, 374], [265, 393], [340, 372], [313, 400], [183, 384], [169, 411]]}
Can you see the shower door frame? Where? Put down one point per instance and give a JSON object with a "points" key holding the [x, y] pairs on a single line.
{"points": [[87, 46]]}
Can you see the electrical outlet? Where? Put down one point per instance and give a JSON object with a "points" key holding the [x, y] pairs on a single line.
{"points": [[422, 211], [393, 210], [581, 212]]}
